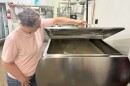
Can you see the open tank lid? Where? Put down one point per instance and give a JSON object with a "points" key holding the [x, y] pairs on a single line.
{"points": [[84, 32]]}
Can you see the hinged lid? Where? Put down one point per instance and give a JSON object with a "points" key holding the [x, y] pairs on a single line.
{"points": [[85, 32]]}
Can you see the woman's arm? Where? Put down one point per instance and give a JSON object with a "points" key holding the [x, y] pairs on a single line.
{"points": [[63, 20], [13, 70]]}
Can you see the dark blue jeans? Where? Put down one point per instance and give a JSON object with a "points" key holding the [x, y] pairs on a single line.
{"points": [[14, 82]]}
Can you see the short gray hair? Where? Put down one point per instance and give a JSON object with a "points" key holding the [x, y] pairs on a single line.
{"points": [[28, 17]]}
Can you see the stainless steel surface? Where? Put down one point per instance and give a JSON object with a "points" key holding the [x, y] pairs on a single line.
{"points": [[73, 46], [80, 46], [92, 33], [104, 47], [82, 61], [83, 71]]}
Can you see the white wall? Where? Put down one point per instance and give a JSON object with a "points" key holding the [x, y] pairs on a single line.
{"points": [[115, 13]]}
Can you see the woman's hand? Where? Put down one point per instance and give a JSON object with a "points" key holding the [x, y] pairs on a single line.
{"points": [[63, 21], [25, 81], [81, 23]]}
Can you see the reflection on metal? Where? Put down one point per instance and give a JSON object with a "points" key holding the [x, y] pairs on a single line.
{"points": [[73, 46], [91, 33], [87, 71], [82, 62]]}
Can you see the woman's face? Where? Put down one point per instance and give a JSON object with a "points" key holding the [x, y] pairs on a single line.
{"points": [[33, 29], [36, 26]]}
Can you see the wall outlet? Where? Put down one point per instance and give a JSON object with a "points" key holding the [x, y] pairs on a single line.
{"points": [[96, 21]]}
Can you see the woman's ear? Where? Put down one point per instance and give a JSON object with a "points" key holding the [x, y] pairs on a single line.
{"points": [[20, 24]]}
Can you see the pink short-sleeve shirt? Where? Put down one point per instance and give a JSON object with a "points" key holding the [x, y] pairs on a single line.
{"points": [[25, 49]]}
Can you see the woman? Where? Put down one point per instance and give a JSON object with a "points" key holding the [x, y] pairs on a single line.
{"points": [[23, 47]]}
